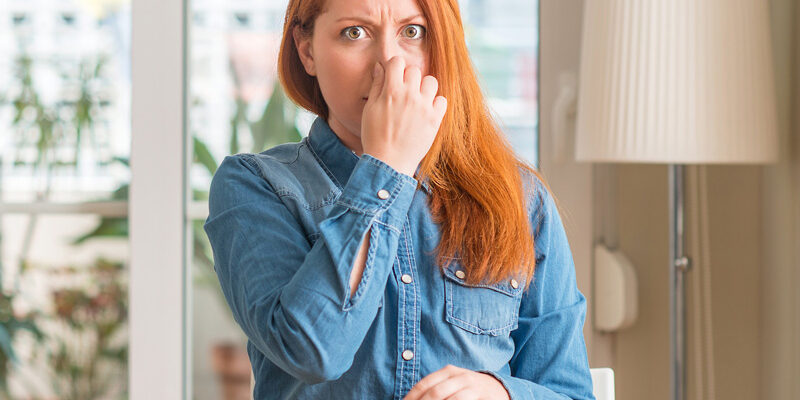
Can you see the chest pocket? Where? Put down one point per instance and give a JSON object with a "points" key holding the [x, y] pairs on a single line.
{"points": [[482, 309]]}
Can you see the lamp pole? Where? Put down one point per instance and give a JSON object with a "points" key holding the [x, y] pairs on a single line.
{"points": [[678, 268]]}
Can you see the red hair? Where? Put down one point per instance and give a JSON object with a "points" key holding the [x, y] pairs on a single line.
{"points": [[476, 179]]}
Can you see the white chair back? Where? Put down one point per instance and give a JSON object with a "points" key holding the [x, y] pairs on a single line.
{"points": [[603, 383]]}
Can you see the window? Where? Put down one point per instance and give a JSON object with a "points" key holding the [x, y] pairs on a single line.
{"points": [[64, 177]]}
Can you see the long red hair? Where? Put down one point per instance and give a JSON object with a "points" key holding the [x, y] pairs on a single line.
{"points": [[476, 179]]}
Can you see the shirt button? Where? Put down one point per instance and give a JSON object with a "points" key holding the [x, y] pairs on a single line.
{"points": [[408, 354], [514, 283], [383, 194], [406, 278], [460, 274]]}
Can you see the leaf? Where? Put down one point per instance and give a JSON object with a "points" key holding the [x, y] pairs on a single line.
{"points": [[273, 127], [5, 345], [199, 194], [109, 227], [203, 155], [123, 160], [238, 117], [30, 326], [121, 193]]}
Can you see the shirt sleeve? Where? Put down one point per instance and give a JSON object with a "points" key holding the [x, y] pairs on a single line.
{"points": [[290, 298], [550, 359]]}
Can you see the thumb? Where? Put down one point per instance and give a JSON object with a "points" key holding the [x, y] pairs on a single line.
{"points": [[377, 81]]}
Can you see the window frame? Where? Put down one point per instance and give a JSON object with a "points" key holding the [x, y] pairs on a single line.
{"points": [[160, 320]]}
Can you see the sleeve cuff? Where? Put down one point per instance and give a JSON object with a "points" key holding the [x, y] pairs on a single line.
{"points": [[375, 188], [523, 389], [516, 390]]}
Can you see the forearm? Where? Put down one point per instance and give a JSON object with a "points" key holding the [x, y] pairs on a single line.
{"points": [[296, 303]]}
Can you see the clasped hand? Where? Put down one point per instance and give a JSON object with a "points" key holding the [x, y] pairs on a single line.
{"points": [[454, 383]]}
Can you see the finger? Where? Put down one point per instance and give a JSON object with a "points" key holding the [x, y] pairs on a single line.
{"points": [[466, 393], [395, 71], [448, 387], [429, 87], [429, 381], [426, 383], [412, 77], [377, 81]]}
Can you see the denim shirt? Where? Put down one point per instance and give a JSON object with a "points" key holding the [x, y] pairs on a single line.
{"points": [[285, 226]]}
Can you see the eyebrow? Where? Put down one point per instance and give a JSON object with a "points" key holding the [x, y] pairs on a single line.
{"points": [[406, 19]]}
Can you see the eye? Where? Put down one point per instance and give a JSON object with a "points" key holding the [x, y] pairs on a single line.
{"points": [[415, 31], [348, 32]]}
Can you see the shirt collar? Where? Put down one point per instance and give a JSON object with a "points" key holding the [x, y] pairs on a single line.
{"points": [[337, 157]]}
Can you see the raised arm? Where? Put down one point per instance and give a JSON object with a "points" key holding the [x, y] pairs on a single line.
{"points": [[293, 299]]}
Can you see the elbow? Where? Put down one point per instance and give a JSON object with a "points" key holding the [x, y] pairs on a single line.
{"points": [[296, 341], [325, 360], [307, 363], [308, 354], [330, 372], [313, 367]]}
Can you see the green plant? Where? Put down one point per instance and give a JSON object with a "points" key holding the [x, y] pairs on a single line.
{"points": [[46, 126], [87, 348], [54, 125], [50, 127], [59, 123], [12, 323]]}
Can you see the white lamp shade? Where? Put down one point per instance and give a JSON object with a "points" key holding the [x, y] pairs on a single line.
{"points": [[677, 82]]}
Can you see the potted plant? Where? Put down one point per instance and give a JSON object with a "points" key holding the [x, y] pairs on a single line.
{"points": [[87, 347], [45, 126], [11, 324]]}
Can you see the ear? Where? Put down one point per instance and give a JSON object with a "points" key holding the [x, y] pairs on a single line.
{"points": [[305, 51]]}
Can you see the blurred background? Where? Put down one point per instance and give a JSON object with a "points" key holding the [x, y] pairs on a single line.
{"points": [[114, 115]]}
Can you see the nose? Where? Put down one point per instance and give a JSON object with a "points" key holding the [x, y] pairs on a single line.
{"points": [[386, 48]]}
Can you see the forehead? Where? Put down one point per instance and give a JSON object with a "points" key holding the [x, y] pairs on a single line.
{"points": [[373, 10]]}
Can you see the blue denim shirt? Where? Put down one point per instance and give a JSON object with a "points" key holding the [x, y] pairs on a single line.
{"points": [[285, 226]]}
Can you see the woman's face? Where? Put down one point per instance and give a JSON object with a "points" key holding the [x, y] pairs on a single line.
{"points": [[348, 39]]}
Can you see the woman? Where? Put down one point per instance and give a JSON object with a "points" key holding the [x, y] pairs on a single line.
{"points": [[401, 250]]}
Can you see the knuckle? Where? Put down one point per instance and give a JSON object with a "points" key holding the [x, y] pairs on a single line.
{"points": [[438, 392], [413, 72], [430, 82], [459, 396]]}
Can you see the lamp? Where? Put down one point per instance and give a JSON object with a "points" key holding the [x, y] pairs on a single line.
{"points": [[676, 82]]}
